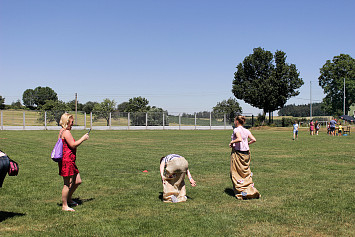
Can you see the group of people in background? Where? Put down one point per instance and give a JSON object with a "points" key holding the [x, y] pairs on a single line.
{"points": [[314, 128]]}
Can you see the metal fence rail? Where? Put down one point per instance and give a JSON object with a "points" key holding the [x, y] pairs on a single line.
{"points": [[49, 120]]}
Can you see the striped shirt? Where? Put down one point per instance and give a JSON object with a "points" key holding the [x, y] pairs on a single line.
{"points": [[170, 157]]}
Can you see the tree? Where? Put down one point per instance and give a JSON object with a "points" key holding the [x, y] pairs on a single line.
{"points": [[137, 104], [38, 97], [302, 110], [103, 110], [71, 104], [88, 107], [2, 102], [264, 85], [54, 110], [16, 105], [331, 80], [28, 98], [230, 107]]}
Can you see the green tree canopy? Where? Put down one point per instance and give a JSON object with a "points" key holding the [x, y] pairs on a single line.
{"points": [[332, 81], [38, 97], [103, 110], [302, 110], [2, 102], [88, 107], [137, 104], [264, 85], [230, 107], [54, 110]]}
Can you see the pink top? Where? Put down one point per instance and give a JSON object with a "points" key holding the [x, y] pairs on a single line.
{"points": [[243, 145]]}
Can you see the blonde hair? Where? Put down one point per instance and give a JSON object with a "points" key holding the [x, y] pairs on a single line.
{"points": [[241, 119], [64, 120]]}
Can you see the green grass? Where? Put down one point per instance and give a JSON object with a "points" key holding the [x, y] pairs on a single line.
{"points": [[307, 186]]}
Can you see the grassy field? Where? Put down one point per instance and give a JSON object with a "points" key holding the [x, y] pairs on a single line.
{"points": [[307, 186]]}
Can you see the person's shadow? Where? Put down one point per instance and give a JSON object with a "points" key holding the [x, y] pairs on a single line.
{"points": [[229, 191], [79, 201], [161, 196], [6, 215]]}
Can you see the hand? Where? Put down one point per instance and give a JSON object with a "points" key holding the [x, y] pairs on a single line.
{"points": [[192, 182], [85, 137], [230, 144]]}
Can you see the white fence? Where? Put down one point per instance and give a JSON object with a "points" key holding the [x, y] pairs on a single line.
{"points": [[48, 120]]}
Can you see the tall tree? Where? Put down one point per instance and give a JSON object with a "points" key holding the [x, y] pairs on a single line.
{"points": [[54, 110], [137, 104], [38, 97], [230, 107], [28, 98], [264, 85], [89, 106], [331, 80], [103, 110], [2, 102]]}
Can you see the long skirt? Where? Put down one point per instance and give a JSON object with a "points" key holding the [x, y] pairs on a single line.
{"points": [[174, 189], [241, 176]]}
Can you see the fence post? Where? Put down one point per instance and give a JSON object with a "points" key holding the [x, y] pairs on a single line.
{"points": [[2, 122], [84, 120], [195, 120], [225, 121], [128, 119], [91, 119], [252, 120], [45, 120], [210, 121], [24, 120], [146, 120], [179, 121], [163, 120], [110, 121]]}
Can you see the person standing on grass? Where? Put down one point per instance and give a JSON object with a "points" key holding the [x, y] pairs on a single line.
{"points": [[332, 124], [67, 167], [295, 130], [4, 166], [340, 129], [240, 173], [173, 168], [311, 128], [317, 127]]}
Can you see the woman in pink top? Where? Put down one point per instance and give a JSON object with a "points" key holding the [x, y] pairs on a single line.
{"points": [[240, 173]]}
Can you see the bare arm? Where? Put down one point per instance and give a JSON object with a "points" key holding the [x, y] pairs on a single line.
{"points": [[162, 164], [192, 181], [238, 139], [70, 140], [252, 139]]}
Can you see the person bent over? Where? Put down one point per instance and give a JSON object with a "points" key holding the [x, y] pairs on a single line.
{"points": [[173, 169]]}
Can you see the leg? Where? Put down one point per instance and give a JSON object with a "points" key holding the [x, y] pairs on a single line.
{"points": [[76, 181], [65, 192]]}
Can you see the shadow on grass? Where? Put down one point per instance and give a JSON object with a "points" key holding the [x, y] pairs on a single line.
{"points": [[229, 191], [5, 215], [161, 196], [79, 201]]}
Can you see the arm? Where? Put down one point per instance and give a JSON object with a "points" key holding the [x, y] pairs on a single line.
{"points": [[192, 181], [70, 140], [162, 164], [238, 139], [252, 139]]}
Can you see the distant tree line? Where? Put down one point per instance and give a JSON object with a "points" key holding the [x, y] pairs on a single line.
{"points": [[303, 110]]}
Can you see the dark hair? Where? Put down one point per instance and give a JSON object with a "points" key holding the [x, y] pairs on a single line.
{"points": [[240, 119], [161, 159]]}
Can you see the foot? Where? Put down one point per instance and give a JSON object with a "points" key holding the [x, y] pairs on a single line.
{"points": [[67, 209]]}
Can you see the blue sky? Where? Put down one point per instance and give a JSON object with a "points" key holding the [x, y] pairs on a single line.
{"points": [[180, 55]]}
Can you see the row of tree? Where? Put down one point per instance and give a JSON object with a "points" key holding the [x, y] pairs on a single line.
{"points": [[266, 81], [318, 109]]}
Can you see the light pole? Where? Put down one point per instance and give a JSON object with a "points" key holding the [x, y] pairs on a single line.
{"points": [[310, 100], [344, 97]]}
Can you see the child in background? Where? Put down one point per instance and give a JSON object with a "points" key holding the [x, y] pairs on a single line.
{"points": [[340, 128], [173, 168], [295, 130]]}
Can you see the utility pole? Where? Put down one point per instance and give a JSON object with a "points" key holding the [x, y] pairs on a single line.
{"points": [[76, 108], [310, 100], [344, 97]]}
